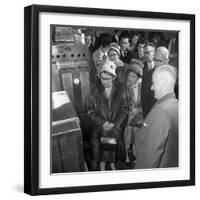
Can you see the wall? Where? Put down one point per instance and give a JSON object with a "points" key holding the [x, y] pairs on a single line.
{"points": [[11, 101]]}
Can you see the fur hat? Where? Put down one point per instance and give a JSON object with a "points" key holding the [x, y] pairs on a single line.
{"points": [[135, 66], [109, 67]]}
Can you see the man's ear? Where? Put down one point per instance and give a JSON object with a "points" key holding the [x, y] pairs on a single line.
{"points": [[167, 61]]}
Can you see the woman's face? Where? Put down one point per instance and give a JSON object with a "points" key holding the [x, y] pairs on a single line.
{"points": [[141, 50], [106, 80], [134, 40], [113, 55], [131, 78]]}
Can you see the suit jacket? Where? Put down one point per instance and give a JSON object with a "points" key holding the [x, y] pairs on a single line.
{"points": [[157, 140], [147, 95], [145, 68], [127, 57]]}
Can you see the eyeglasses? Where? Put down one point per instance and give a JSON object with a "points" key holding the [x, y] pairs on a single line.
{"points": [[148, 52], [158, 60]]}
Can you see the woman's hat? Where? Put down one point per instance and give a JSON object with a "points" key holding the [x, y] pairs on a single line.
{"points": [[115, 47], [109, 67], [135, 66]]}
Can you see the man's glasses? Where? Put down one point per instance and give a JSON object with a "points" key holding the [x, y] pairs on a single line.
{"points": [[158, 60], [148, 52]]}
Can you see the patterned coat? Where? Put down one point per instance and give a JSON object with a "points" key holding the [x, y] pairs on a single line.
{"points": [[115, 111]]}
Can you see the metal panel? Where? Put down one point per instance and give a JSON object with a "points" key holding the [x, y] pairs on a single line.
{"points": [[70, 52], [73, 63], [67, 82], [85, 85], [56, 85]]}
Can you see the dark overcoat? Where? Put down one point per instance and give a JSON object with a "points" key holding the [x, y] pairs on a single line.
{"points": [[127, 58], [147, 95]]}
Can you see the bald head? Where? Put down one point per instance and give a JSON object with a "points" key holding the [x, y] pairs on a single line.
{"points": [[164, 79], [161, 56]]}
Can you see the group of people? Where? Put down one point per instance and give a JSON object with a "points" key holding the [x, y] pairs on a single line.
{"points": [[133, 103]]}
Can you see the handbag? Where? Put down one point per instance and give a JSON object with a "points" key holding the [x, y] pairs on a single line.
{"points": [[108, 143]]}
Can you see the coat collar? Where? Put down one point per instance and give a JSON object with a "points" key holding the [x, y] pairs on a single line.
{"points": [[170, 95]]}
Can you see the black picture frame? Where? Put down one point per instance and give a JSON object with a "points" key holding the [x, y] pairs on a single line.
{"points": [[31, 98]]}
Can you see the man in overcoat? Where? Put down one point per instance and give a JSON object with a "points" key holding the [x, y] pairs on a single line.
{"points": [[124, 42], [157, 140]]}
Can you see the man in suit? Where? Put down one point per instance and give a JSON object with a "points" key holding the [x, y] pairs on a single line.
{"points": [[124, 42], [157, 140], [139, 54], [149, 53], [147, 96]]}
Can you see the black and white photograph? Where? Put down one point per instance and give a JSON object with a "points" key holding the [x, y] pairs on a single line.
{"points": [[109, 99], [114, 99], [100, 100]]}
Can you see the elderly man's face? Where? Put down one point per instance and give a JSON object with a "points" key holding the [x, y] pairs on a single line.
{"points": [[124, 44], [159, 60], [149, 53], [156, 85]]}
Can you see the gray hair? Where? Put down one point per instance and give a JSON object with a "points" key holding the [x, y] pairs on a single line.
{"points": [[164, 52], [168, 75]]}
